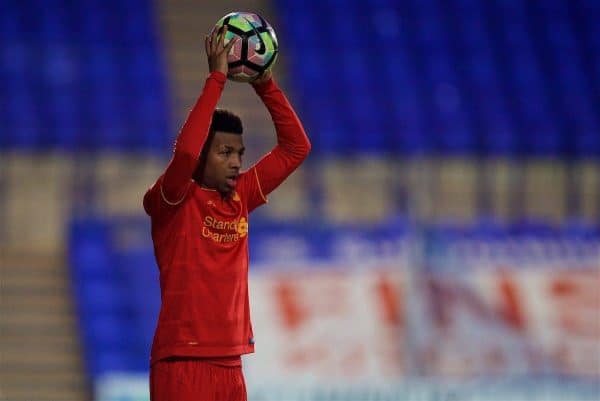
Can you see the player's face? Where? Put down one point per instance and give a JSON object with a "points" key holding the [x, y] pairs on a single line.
{"points": [[223, 162]]}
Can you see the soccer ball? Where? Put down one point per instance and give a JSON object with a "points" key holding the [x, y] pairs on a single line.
{"points": [[257, 50]]}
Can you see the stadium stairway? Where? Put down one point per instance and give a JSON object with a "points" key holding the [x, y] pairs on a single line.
{"points": [[39, 349]]}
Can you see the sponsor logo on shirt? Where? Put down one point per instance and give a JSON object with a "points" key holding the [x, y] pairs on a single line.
{"points": [[224, 231]]}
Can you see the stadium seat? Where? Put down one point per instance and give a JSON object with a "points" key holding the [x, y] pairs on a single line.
{"points": [[141, 281], [112, 361], [23, 125], [90, 241], [580, 229], [101, 296], [489, 229], [532, 228], [10, 30], [140, 275], [104, 331]]}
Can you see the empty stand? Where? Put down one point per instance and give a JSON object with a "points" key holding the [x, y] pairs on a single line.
{"points": [[86, 76], [499, 78]]}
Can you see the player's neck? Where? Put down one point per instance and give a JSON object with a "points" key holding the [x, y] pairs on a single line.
{"points": [[208, 187]]}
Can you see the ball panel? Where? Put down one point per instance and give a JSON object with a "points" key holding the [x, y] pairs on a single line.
{"points": [[269, 41], [270, 62], [236, 70], [242, 74], [255, 57], [240, 23], [220, 22], [261, 67], [235, 53], [250, 73], [252, 19], [272, 37], [229, 36]]}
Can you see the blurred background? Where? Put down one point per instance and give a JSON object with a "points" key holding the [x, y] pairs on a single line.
{"points": [[442, 241]]}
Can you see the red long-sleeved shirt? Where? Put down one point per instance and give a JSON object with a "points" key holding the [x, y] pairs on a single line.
{"points": [[200, 238]]}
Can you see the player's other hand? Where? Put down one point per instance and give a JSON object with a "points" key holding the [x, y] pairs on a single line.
{"points": [[263, 78], [217, 51]]}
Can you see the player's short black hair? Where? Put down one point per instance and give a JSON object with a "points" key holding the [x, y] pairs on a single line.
{"points": [[226, 121]]}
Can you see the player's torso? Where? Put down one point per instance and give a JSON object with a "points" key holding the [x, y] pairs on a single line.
{"points": [[202, 253], [206, 234]]}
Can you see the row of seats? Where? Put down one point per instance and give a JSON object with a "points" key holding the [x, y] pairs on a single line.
{"points": [[82, 76], [412, 77], [88, 22], [470, 76]]}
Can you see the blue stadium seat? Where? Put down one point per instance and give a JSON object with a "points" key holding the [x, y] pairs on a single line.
{"points": [[10, 29], [91, 261], [587, 144], [533, 229], [53, 22], [64, 119], [101, 297], [580, 230], [141, 280], [107, 361], [90, 255], [105, 331], [23, 127], [489, 229], [543, 139], [141, 276]]}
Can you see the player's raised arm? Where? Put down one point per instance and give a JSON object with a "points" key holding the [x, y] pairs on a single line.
{"points": [[194, 132], [292, 146]]}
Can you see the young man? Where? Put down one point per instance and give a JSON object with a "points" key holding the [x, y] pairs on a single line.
{"points": [[199, 212]]}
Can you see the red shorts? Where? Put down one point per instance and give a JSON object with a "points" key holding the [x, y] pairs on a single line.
{"points": [[196, 379]]}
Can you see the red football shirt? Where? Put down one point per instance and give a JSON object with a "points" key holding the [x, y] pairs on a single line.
{"points": [[201, 238]]}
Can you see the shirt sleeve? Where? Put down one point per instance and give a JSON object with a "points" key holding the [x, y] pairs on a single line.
{"points": [[155, 203], [292, 146], [250, 190], [172, 186]]}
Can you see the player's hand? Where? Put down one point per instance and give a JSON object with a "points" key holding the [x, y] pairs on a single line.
{"points": [[217, 52], [263, 78]]}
